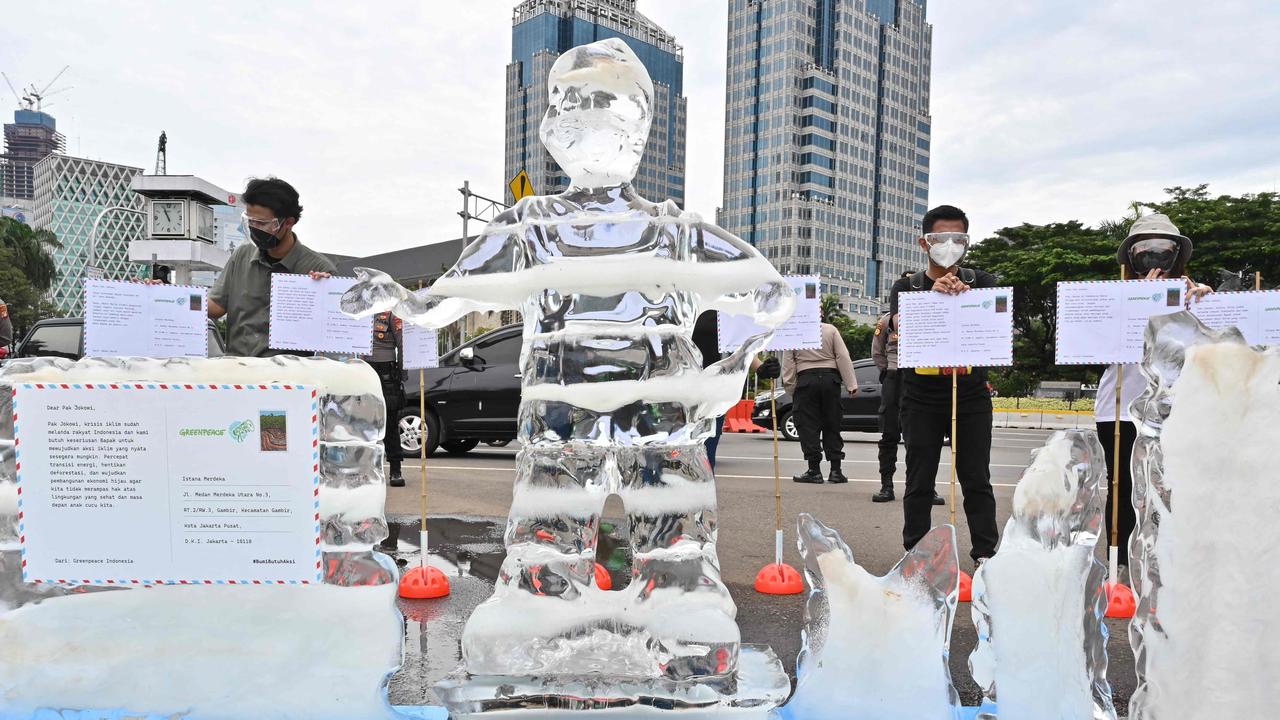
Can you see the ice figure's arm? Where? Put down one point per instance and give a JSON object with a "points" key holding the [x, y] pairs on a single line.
{"points": [[483, 279], [746, 283]]}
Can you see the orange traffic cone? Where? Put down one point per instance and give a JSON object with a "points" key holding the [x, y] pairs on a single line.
{"points": [[604, 581], [779, 579], [966, 587], [1120, 601]]}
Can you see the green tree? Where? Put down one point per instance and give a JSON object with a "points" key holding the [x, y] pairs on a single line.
{"points": [[1232, 233], [1033, 259], [31, 252], [26, 302], [1229, 233]]}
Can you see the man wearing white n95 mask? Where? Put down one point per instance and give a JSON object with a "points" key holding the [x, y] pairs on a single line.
{"points": [[925, 399]]}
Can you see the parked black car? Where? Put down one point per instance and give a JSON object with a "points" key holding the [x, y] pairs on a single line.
{"points": [[861, 411], [473, 396], [64, 337]]}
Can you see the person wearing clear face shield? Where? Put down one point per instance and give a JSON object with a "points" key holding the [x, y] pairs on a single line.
{"points": [[925, 400], [243, 290], [1153, 250]]}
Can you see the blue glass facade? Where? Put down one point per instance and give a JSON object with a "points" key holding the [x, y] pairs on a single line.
{"points": [[541, 31], [827, 138]]}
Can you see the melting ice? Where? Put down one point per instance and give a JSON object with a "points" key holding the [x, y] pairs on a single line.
{"points": [[875, 648], [1038, 604]]}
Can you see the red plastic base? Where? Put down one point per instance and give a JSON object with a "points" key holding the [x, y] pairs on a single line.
{"points": [[966, 587], [1120, 601], [776, 579], [603, 580], [424, 583]]}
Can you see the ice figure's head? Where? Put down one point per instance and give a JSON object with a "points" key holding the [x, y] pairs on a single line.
{"points": [[598, 119]]}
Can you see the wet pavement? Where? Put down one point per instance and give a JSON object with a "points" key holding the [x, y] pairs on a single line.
{"points": [[470, 552]]}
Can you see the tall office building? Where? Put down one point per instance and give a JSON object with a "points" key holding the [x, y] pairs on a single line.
{"points": [[71, 193], [30, 138], [827, 139], [542, 30]]}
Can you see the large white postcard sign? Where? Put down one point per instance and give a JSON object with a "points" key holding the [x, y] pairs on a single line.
{"points": [[306, 314], [151, 483], [940, 330], [1104, 322], [1256, 314], [130, 318], [801, 331]]}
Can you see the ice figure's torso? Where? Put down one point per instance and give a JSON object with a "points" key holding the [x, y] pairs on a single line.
{"points": [[610, 295]]}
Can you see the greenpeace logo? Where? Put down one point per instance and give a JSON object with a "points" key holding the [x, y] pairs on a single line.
{"points": [[201, 432]]}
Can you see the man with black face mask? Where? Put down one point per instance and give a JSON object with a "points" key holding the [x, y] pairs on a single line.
{"points": [[243, 290], [925, 397]]}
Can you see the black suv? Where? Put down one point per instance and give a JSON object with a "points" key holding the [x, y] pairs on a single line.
{"points": [[473, 396], [64, 337], [861, 411]]}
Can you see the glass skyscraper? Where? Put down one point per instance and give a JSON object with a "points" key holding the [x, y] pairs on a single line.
{"points": [[827, 133], [542, 30], [71, 193]]}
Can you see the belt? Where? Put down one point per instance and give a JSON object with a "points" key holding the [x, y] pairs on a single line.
{"points": [[819, 370], [943, 371]]}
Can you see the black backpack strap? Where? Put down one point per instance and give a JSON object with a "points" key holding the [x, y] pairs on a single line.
{"points": [[967, 275], [917, 281]]}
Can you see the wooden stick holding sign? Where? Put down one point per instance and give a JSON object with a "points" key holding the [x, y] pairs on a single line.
{"points": [[420, 350]]}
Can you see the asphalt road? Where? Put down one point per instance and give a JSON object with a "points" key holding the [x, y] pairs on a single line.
{"points": [[470, 496]]}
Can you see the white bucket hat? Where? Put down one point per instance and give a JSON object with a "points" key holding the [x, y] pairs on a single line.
{"points": [[1157, 225]]}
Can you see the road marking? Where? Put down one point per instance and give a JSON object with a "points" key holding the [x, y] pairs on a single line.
{"points": [[846, 461], [718, 475]]}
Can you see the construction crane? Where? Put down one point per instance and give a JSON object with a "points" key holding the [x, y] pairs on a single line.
{"points": [[33, 99], [162, 154]]}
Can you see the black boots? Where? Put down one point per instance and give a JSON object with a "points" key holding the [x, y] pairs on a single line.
{"points": [[812, 475], [885, 494], [397, 480], [937, 499]]}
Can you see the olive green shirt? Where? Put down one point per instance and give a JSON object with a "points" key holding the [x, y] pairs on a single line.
{"points": [[244, 289]]}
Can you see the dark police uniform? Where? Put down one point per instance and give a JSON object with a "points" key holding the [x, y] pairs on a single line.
{"points": [[925, 400], [387, 359], [884, 350]]}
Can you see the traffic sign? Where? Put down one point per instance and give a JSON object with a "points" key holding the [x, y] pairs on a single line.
{"points": [[521, 187]]}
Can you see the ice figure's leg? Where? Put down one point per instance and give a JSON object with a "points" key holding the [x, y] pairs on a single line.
{"points": [[537, 614], [923, 428], [973, 472], [676, 590]]}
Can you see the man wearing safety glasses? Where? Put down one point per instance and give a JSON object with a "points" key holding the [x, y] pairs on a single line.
{"points": [[925, 400], [243, 290]]}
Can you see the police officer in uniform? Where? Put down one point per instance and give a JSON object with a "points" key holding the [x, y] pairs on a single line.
{"points": [[926, 398], [387, 360], [814, 378], [884, 351]]}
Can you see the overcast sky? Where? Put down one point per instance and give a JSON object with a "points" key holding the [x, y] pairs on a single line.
{"points": [[1043, 110]]}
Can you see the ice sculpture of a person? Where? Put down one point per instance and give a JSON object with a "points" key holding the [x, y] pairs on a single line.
{"points": [[615, 400]]}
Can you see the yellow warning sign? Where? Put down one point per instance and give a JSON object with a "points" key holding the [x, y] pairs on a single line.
{"points": [[520, 186]]}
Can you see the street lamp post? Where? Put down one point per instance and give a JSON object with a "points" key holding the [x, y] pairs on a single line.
{"points": [[93, 235]]}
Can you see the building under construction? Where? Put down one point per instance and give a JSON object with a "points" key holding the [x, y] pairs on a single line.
{"points": [[31, 137]]}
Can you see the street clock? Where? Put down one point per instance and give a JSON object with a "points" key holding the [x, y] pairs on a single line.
{"points": [[181, 218]]}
